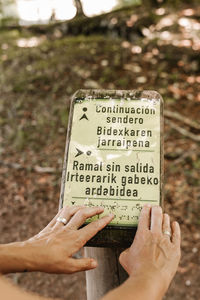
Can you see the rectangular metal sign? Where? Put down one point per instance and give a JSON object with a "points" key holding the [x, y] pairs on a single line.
{"points": [[114, 157]]}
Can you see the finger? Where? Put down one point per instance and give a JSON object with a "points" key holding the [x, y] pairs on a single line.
{"points": [[144, 219], [122, 257], [166, 226], [82, 264], [82, 215], [51, 223], [176, 234], [67, 212], [90, 230], [156, 219]]}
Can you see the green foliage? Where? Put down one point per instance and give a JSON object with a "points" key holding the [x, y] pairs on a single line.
{"points": [[7, 19], [4, 3], [64, 117], [123, 83], [154, 3], [196, 164], [122, 3], [21, 139]]}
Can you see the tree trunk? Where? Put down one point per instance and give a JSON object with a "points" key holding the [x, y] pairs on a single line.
{"points": [[79, 8]]}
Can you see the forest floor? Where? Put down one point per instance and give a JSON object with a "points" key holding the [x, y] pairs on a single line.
{"points": [[39, 73]]}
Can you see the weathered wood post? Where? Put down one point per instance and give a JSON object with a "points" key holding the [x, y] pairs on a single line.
{"points": [[114, 159], [107, 276]]}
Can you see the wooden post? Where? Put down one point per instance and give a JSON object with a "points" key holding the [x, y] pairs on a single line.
{"points": [[108, 275]]}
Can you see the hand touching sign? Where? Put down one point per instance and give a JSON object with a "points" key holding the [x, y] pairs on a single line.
{"points": [[52, 249]]}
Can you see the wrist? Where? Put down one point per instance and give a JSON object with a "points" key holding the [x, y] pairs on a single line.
{"points": [[151, 286], [14, 257]]}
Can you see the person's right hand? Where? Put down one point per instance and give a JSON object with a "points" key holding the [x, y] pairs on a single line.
{"points": [[153, 254], [53, 248]]}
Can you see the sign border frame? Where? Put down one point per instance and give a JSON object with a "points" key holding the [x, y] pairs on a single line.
{"points": [[113, 235]]}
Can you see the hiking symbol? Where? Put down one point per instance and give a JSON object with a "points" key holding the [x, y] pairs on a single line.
{"points": [[84, 115]]}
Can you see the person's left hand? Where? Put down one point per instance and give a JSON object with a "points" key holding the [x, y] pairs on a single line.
{"points": [[52, 249]]}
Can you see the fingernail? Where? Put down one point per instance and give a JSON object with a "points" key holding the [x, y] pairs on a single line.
{"points": [[111, 215], [93, 264], [157, 207], [101, 207], [147, 205]]}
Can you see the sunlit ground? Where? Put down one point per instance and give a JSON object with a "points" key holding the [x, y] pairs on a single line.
{"points": [[37, 11], [189, 27]]}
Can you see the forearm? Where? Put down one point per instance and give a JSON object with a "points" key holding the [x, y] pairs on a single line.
{"points": [[9, 291], [15, 257], [136, 289]]}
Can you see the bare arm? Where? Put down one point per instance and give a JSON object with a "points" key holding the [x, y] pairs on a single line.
{"points": [[52, 250], [136, 289], [14, 257], [126, 291], [152, 260], [9, 291]]}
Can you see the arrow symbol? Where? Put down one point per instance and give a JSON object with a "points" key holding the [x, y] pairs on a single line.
{"points": [[84, 117], [79, 152], [72, 202]]}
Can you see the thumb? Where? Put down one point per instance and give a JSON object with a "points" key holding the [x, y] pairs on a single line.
{"points": [[82, 264], [122, 257]]}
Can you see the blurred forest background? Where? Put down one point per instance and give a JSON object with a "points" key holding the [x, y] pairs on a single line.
{"points": [[47, 52]]}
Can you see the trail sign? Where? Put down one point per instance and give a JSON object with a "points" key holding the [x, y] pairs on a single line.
{"points": [[114, 157]]}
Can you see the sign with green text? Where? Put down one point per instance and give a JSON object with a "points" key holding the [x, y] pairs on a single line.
{"points": [[114, 153]]}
